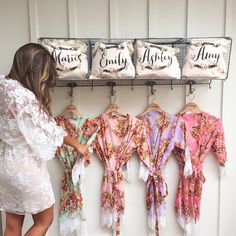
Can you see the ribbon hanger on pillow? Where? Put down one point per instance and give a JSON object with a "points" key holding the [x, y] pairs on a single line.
{"points": [[71, 110]]}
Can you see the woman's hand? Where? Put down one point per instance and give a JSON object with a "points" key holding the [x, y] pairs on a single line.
{"points": [[83, 149]]}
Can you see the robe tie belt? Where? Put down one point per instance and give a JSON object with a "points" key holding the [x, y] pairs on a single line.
{"points": [[157, 190]]}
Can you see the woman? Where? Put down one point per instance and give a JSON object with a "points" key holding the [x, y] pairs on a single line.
{"points": [[28, 138]]}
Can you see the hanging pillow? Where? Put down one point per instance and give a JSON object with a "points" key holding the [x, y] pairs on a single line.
{"points": [[205, 59], [113, 60], [157, 61], [70, 56]]}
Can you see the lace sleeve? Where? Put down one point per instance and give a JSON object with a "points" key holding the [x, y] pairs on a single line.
{"points": [[39, 130]]}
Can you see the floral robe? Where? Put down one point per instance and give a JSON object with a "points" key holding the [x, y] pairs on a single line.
{"points": [[118, 137], [72, 217], [166, 133], [204, 132]]}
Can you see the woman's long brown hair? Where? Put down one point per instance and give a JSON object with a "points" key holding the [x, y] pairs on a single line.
{"points": [[35, 69]]}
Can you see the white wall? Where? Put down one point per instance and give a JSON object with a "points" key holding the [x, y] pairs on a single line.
{"points": [[22, 21]]}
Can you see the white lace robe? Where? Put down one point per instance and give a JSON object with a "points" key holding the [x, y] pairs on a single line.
{"points": [[28, 138]]}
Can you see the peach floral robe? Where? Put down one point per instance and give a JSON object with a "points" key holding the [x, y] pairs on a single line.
{"points": [[118, 137]]}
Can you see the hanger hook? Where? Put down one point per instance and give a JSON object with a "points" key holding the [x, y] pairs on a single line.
{"points": [[191, 89], [152, 91], [210, 84], [113, 91], [71, 91], [193, 97]]}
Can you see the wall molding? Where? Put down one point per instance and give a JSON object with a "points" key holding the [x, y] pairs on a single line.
{"points": [[72, 19], [113, 26], [33, 20]]}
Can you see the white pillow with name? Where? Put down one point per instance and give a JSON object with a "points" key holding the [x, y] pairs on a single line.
{"points": [[112, 60], [70, 56], [157, 61], [205, 59]]}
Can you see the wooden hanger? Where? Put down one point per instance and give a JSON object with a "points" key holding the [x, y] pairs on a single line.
{"points": [[191, 107], [152, 107], [114, 108], [71, 110]]}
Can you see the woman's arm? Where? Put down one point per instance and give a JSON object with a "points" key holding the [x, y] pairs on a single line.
{"points": [[74, 143]]}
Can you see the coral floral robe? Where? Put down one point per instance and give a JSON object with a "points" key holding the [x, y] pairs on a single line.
{"points": [[204, 132]]}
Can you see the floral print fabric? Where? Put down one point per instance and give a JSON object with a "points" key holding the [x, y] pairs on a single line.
{"points": [[71, 203], [204, 132], [166, 133], [118, 137]]}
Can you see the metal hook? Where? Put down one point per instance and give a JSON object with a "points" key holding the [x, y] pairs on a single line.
{"points": [[193, 97], [191, 89], [113, 92], [153, 91], [71, 91], [210, 84]]}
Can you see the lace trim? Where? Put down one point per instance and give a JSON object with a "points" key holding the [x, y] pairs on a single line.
{"points": [[51, 153], [188, 164], [108, 218], [161, 217], [78, 171], [70, 225], [126, 170], [143, 172], [33, 212], [189, 228]]}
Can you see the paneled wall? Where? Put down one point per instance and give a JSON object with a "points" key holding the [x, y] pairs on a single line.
{"points": [[22, 21]]}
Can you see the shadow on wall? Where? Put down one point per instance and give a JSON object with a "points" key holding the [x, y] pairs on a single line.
{"points": [[1, 231]]}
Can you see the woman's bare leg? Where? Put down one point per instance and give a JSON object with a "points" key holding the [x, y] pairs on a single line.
{"points": [[42, 222], [14, 224]]}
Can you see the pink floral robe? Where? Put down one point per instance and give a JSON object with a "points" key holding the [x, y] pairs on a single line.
{"points": [[118, 137], [166, 133], [203, 132]]}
